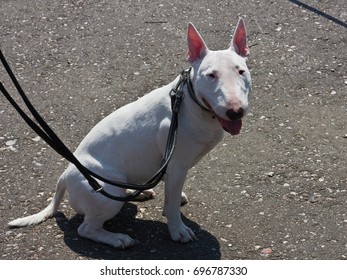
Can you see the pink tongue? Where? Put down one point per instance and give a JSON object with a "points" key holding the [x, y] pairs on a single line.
{"points": [[233, 127]]}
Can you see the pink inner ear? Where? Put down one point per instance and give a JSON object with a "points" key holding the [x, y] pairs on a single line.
{"points": [[240, 40], [196, 45]]}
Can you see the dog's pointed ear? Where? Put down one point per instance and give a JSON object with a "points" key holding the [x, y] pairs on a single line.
{"points": [[197, 48], [239, 41]]}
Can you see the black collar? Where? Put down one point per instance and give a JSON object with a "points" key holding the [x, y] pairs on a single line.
{"points": [[186, 75]]}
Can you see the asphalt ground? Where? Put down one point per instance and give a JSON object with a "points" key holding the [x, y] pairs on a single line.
{"points": [[276, 191]]}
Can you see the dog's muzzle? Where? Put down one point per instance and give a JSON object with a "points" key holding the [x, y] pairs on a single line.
{"points": [[234, 123]]}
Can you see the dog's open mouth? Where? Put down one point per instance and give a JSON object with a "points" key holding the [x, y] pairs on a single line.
{"points": [[231, 126]]}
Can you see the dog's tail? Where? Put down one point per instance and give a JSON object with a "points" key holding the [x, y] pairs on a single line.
{"points": [[46, 213]]}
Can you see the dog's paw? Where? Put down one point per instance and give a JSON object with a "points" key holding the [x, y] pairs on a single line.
{"points": [[182, 234], [122, 241], [116, 240], [145, 195], [148, 194]]}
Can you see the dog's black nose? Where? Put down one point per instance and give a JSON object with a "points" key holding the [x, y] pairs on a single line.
{"points": [[235, 115]]}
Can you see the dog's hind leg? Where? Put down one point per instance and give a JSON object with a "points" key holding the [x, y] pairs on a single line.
{"points": [[98, 212], [97, 209], [92, 228]]}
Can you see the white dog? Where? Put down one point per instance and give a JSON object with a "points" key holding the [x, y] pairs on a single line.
{"points": [[128, 145]]}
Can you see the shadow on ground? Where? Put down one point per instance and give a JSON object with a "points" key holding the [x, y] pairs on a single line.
{"points": [[153, 240]]}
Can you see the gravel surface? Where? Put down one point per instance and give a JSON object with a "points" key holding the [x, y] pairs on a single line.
{"points": [[276, 191]]}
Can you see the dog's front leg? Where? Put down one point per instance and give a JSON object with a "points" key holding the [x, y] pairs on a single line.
{"points": [[173, 189]]}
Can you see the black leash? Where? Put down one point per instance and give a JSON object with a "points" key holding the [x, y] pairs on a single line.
{"points": [[50, 137]]}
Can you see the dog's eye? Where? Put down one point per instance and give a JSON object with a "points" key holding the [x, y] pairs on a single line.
{"points": [[241, 72], [211, 75]]}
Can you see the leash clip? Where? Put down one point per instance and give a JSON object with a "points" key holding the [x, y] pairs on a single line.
{"points": [[176, 99], [177, 93]]}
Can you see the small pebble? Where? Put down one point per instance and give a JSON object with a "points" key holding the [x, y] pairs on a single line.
{"points": [[314, 198], [10, 142], [266, 251]]}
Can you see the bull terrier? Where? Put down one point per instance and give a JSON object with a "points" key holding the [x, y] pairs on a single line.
{"points": [[128, 145]]}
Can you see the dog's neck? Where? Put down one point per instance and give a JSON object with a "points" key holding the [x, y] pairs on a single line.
{"points": [[192, 92], [196, 114]]}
